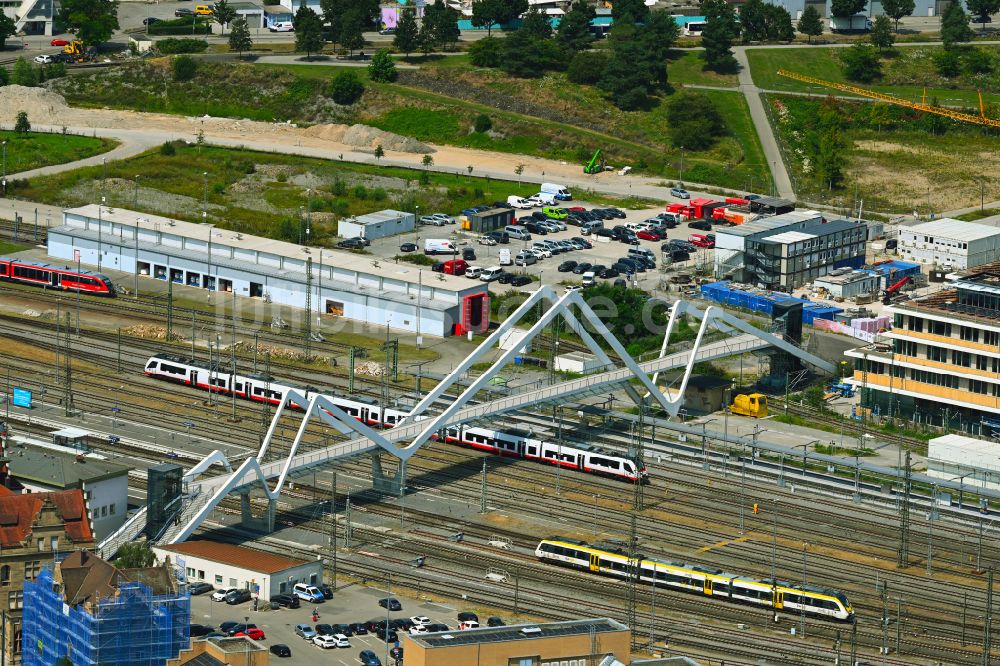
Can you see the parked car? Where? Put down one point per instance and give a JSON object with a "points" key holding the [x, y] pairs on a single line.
{"points": [[240, 628], [253, 632], [680, 193], [505, 277], [467, 616], [43, 59], [566, 266], [183, 12], [351, 244], [703, 225], [487, 240], [421, 620], [344, 629], [494, 621], [59, 42], [226, 626], [342, 641], [431, 220], [520, 280], [358, 628], [199, 588], [444, 217], [308, 593], [468, 253], [605, 233], [582, 242], [582, 268], [616, 212], [501, 237], [325, 642], [390, 603], [525, 258], [222, 592], [305, 631], [149, 20], [437, 626], [369, 658], [281, 650], [285, 600], [387, 636], [648, 235], [408, 247], [324, 629], [198, 630]]}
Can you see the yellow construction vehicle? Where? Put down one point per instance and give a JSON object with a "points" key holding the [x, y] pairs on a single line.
{"points": [[76, 51], [753, 405]]}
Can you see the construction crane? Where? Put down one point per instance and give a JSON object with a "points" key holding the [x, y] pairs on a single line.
{"points": [[891, 291], [981, 119]]}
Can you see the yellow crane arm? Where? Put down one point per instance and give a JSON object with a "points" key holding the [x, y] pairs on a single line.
{"points": [[981, 119]]}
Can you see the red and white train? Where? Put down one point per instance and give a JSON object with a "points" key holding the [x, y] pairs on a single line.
{"points": [[512, 443], [52, 277]]}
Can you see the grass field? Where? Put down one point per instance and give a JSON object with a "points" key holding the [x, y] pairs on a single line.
{"points": [[685, 67], [34, 150], [6, 247], [908, 74]]}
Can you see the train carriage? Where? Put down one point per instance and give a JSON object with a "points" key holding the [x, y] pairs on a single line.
{"points": [[52, 277]]}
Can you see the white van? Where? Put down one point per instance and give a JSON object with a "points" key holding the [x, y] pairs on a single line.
{"points": [[490, 274], [438, 246], [542, 199], [505, 259], [473, 272], [520, 233], [282, 26], [589, 279], [558, 191], [518, 202]]}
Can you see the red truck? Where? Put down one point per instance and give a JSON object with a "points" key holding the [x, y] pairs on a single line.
{"points": [[451, 267], [702, 240]]}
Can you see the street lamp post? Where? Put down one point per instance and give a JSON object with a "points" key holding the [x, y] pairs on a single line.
{"points": [[4, 144], [100, 232], [135, 196]]}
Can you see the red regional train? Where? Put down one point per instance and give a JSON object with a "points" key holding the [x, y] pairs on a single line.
{"points": [[52, 277]]}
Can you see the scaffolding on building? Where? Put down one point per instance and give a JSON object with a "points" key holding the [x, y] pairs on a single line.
{"points": [[133, 627]]}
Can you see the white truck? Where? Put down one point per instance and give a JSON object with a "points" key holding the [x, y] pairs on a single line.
{"points": [[438, 246], [560, 192], [856, 23]]}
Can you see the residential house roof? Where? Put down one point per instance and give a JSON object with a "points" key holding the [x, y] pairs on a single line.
{"points": [[18, 514]]}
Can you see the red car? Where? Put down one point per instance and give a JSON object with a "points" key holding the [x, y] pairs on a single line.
{"points": [[59, 42], [576, 209], [252, 632], [645, 234]]}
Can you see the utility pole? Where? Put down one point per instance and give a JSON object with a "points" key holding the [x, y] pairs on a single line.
{"points": [[119, 350], [170, 309], [854, 641], [903, 555], [885, 621], [988, 619], [333, 530], [347, 523], [232, 349], [517, 590], [68, 384], [899, 621], [482, 490], [307, 329]]}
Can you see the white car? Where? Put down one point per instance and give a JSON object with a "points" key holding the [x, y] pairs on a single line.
{"points": [[431, 220], [446, 219], [487, 240], [418, 629], [220, 594], [540, 251], [326, 642], [341, 640], [537, 201], [43, 59], [420, 620]]}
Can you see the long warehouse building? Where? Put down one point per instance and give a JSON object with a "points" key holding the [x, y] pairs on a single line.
{"points": [[343, 284]]}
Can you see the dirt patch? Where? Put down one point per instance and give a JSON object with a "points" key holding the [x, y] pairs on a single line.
{"points": [[363, 136], [886, 147], [40, 104]]}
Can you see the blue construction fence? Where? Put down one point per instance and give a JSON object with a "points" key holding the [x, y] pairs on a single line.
{"points": [[764, 301]]}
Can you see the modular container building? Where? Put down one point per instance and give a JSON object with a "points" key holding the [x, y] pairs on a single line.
{"points": [[764, 301]]}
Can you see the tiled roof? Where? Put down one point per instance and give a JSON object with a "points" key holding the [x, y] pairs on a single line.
{"points": [[18, 512], [226, 553]]}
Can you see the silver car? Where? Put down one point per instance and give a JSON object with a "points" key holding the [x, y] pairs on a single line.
{"points": [[431, 220], [561, 226], [446, 219], [525, 258], [305, 631]]}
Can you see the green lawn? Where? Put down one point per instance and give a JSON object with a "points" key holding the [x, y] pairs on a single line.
{"points": [[6, 247], [911, 65], [685, 67], [33, 150]]}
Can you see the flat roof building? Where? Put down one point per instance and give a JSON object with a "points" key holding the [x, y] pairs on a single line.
{"points": [[543, 644], [975, 460], [382, 224], [343, 284], [950, 244], [848, 283]]}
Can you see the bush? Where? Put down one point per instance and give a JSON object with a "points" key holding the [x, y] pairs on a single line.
{"points": [[586, 67], [695, 123], [948, 63], [486, 52], [861, 63], [168, 150], [483, 123], [346, 88], [978, 61], [183, 45], [382, 68], [185, 67], [180, 26]]}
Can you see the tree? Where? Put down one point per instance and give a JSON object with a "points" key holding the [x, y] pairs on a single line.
{"points": [[955, 25], [861, 63], [135, 555], [8, 28], [443, 22], [487, 13], [382, 68], [486, 52], [22, 126], [948, 63], [407, 37], [239, 37], [94, 20], [23, 73], [308, 31], [897, 9], [224, 14], [695, 122], [830, 160], [574, 28], [536, 25], [379, 152], [4, 77], [982, 9], [425, 39], [810, 24], [717, 37], [779, 24], [977, 61], [637, 9], [352, 28], [842, 8], [753, 22], [483, 123], [427, 161], [626, 83], [184, 67], [587, 67], [656, 37], [346, 88], [881, 36], [333, 14], [527, 56]]}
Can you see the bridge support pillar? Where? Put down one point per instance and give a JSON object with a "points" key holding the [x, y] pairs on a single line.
{"points": [[264, 523], [390, 485]]}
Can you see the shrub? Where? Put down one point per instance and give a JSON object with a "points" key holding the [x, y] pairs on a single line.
{"points": [[695, 123], [168, 149], [861, 63], [22, 126], [182, 45], [382, 68], [978, 61], [483, 123], [486, 52], [586, 67], [948, 63], [360, 192], [346, 88], [185, 67]]}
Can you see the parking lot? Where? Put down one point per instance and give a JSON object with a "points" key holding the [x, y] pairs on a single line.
{"points": [[605, 251], [350, 604]]}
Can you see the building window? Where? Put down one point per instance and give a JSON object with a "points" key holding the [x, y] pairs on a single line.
{"points": [[527, 661], [991, 338], [104, 511], [915, 324], [41, 545], [940, 328], [232, 582], [218, 580], [190, 572], [5, 575], [937, 354], [977, 386], [201, 575], [54, 543], [963, 359], [111, 509], [15, 600], [982, 363], [32, 569], [970, 334]]}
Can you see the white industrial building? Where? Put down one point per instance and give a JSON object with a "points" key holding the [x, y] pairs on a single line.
{"points": [[333, 282], [976, 460], [950, 244], [382, 224], [31, 17], [225, 565], [731, 242]]}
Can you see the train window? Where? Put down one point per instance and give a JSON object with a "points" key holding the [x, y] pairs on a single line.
{"points": [[238, 386], [389, 418], [152, 365], [793, 598], [532, 450]]}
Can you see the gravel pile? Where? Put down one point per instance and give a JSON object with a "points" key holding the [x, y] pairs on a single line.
{"points": [[42, 106], [363, 136]]}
